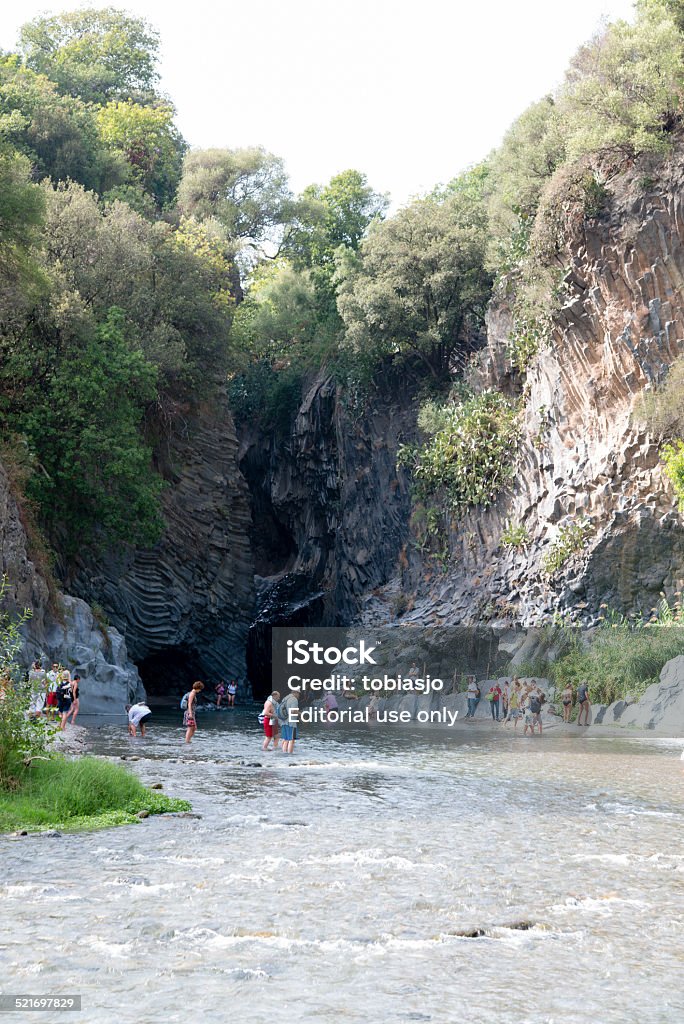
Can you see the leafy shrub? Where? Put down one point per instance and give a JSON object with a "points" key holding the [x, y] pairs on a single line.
{"points": [[469, 456], [21, 736], [268, 395], [672, 457], [660, 409], [515, 535], [571, 539]]}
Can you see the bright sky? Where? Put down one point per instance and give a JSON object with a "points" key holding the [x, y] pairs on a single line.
{"points": [[408, 92]]}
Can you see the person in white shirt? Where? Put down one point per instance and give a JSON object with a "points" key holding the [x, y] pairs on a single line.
{"points": [[138, 715], [472, 696]]}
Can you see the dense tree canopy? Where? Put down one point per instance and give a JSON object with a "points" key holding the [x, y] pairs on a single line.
{"points": [[138, 278], [245, 190], [418, 285], [97, 54]]}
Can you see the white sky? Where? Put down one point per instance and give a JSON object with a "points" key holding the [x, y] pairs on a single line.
{"points": [[409, 93]]}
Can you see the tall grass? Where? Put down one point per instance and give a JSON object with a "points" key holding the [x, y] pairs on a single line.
{"points": [[83, 793]]}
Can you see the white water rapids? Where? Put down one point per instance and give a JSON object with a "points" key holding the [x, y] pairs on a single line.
{"points": [[335, 886]]}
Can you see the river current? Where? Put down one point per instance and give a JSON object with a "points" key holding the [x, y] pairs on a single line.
{"points": [[374, 877]]}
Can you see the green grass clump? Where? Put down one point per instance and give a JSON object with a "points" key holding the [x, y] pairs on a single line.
{"points": [[83, 794]]}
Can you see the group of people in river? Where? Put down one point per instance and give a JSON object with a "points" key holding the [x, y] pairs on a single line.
{"points": [[510, 701], [275, 718], [524, 701], [54, 692]]}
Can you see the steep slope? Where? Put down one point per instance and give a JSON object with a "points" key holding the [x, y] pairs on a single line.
{"points": [[584, 464]]}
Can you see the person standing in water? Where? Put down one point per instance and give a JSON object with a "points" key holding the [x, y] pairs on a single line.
{"points": [[189, 720], [232, 690], [220, 693], [270, 716], [76, 695], [288, 726]]}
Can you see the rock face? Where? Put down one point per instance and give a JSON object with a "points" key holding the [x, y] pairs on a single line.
{"points": [[62, 628], [184, 607], [329, 506], [584, 463]]}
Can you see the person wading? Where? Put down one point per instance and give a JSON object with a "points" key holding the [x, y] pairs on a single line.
{"points": [[189, 720], [288, 729]]}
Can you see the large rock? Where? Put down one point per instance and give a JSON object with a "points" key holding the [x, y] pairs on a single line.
{"points": [[662, 705], [61, 628], [193, 594]]}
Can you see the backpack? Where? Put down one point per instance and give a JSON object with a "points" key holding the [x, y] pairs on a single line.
{"points": [[535, 705], [184, 702], [282, 713]]}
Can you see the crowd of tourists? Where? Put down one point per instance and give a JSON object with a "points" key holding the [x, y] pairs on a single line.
{"points": [[516, 701], [54, 692]]}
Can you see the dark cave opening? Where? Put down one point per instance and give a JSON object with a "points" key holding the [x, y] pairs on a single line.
{"points": [[169, 673]]}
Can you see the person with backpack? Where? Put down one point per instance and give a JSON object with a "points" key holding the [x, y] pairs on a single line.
{"points": [[65, 697], [287, 719], [189, 706], [494, 696], [537, 699]]}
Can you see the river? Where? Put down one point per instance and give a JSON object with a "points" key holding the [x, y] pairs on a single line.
{"points": [[336, 885]]}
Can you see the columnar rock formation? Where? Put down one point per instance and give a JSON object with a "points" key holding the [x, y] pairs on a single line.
{"points": [[187, 602], [584, 459], [330, 508]]}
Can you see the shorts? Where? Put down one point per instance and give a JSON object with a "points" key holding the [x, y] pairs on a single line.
{"points": [[145, 718], [536, 718], [514, 713], [270, 730], [64, 705], [51, 700], [288, 732], [567, 703], [188, 720]]}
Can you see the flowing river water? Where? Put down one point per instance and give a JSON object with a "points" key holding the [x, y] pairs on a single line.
{"points": [[375, 876]]}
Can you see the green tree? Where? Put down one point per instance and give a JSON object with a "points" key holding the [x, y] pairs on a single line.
{"points": [[96, 473], [97, 54], [532, 149], [58, 134], [279, 312], [624, 89], [418, 285], [246, 190], [150, 143], [332, 215], [21, 215]]}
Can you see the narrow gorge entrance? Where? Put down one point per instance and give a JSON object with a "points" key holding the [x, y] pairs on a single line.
{"points": [[168, 673]]}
